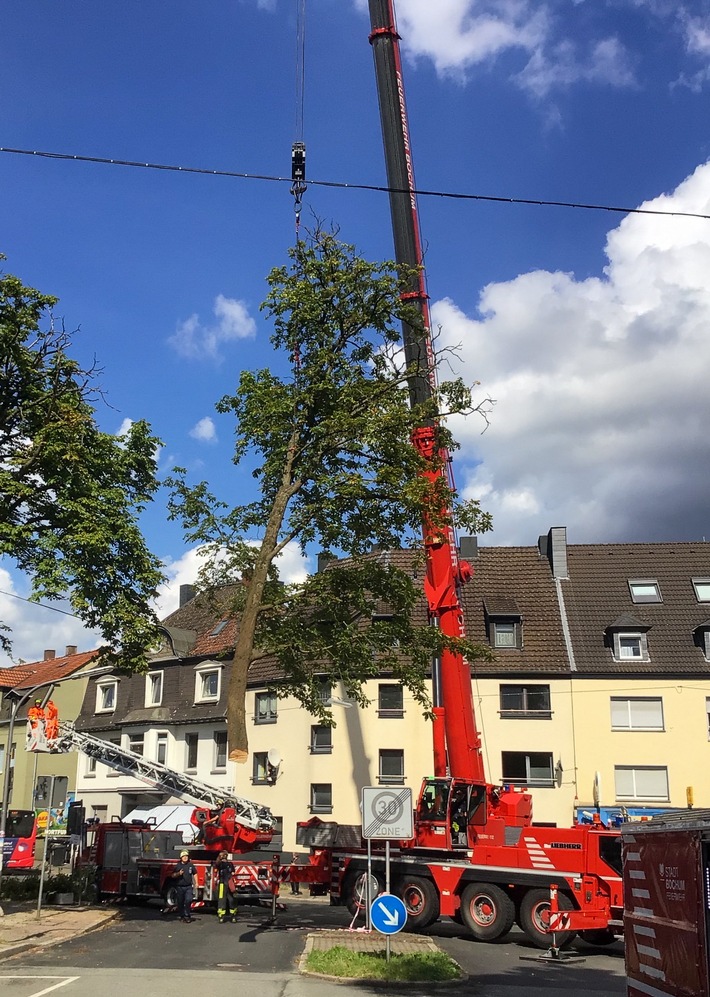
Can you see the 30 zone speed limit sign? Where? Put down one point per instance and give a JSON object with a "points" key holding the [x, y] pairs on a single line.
{"points": [[387, 813]]}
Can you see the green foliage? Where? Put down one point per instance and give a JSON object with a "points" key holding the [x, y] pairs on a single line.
{"points": [[70, 494], [418, 967], [330, 444]]}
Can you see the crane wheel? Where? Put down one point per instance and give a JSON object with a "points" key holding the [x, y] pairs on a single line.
{"points": [[354, 890], [421, 901], [487, 911], [534, 916]]}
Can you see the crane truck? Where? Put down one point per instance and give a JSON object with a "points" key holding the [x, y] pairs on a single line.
{"points": [[476, 855]]}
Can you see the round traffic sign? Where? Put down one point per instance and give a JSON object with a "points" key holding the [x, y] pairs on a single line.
{"points": [[388, 915]]}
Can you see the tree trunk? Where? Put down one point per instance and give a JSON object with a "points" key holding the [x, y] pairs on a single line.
{"points": [[237, 736]]}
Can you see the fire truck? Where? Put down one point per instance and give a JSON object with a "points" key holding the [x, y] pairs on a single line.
{"points": [[134, 860], [476, 855]]}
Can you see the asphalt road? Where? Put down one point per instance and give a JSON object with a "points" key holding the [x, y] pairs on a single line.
{"points": [[143, 952]]}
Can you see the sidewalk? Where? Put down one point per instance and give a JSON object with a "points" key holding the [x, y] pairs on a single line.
{"points": [[22, 930]]}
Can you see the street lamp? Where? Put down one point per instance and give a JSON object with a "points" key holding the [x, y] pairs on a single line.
{"points": [[15, 705]]}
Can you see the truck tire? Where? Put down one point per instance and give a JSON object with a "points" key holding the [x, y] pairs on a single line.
{"points": [[170, 896], [534, 916], [421, 901], [487, 911], [354, 890]]}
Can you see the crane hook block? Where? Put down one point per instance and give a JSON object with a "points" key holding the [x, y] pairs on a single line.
{"points": [[298, 162]]}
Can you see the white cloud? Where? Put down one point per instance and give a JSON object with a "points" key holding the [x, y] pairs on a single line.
{"points": [[607, 62], [196, 341], [601, 387], [204, 431], [35, 628], [124, 428]]}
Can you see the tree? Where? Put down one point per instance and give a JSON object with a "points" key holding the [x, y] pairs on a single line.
{"points": [[70, 494], [331, 452]]}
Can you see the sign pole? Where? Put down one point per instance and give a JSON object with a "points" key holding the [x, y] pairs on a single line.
{"points": [[46, 844], [368, 887], [387, 889]]}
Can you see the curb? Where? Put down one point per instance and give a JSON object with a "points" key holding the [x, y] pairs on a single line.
{"points": [[17, 948]]}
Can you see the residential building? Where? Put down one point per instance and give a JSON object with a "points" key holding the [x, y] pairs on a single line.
{"points": [[598, 697]]}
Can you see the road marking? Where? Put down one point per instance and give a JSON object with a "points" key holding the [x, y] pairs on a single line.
{"points": [[38, 993]]}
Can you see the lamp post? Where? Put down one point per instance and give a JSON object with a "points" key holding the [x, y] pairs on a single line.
{"points": [[15, 705]]}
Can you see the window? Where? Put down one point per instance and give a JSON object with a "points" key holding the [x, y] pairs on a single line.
{"points": [[707, 715], [161, 748], [220, 750], [532, 768], [113, 773], [641, 782], [636, 713], [321, 740], [90, 770], [525, 701], [391, 768], [191, 741], [702, 589], [265, 708], [260, 769], [504, 634], [153, 688], [645, 590], [325, 691], [207, 685], [106, 696], [321, 798], [630, 646], [390, 701], [135, 743], [219, 628]]}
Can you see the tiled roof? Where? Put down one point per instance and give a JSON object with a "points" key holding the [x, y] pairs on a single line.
{"points": [[597, 594], [516, 577], [37, 672]]}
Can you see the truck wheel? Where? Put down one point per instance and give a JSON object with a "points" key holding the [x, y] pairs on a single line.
{"points": [[598, 936], [354, 891], [421, 901], [170, 896], [534, 918], [487, 911]]}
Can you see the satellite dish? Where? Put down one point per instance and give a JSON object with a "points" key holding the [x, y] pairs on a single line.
{"points": [[597, 788], [273, 757]]}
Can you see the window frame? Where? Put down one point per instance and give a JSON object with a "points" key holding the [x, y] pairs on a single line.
{"points": [[136, 737], [497, 628], [625, 635], [271, 715], [529, 781], [698, 584], [149, 684], [189, 735], [90, 769], [648, 598], [636, 797], [219, 751], [101, 689], [201, 673], [525, 712], [321, 808], [161, 740], [390, 780], [390, 712], [256, 778], [629, 700], [321, 749], [115, 740]]}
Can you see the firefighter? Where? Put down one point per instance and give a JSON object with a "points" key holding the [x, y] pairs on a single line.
{"points": [[185, 875], [226, 897], [36, 714], [51, 725]]}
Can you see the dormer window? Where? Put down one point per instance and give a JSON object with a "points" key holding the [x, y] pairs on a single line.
{"points": [[701, 638], [208, 681], [628, 639], [106, 696], [153, 689], [504, 623], [645, 590]]}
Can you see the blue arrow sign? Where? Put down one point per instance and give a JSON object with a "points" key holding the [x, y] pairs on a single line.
{"points": [[388, 914]]}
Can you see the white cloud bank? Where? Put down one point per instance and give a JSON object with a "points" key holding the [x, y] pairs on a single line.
{"points": [[197, 342], [204, 431], [602, 413]]}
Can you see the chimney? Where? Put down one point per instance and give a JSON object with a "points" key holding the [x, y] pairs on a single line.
{"points": [[554, 548], [468, 548], [323, 558], [49, 654], [71, 649], [187, 594]]}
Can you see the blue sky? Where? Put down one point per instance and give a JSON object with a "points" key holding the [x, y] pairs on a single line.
{"points": [[588, 328]]}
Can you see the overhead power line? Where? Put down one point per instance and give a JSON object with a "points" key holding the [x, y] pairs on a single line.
{"points": [[452, 195], [41, 605]]}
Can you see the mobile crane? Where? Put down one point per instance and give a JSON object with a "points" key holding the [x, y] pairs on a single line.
{"points": [[476, 855]]}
